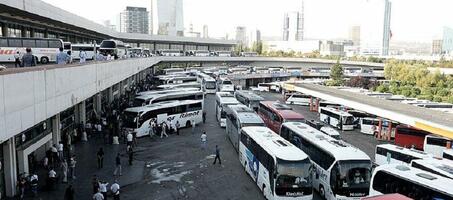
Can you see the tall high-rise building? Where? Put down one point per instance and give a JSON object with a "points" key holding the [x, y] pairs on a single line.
{"points": [[205, 31], [254, 37], [436, 48], [134, 20], [241, 35], [447, 41], [354, 35], [375, 30], [167, 17], [293, 25]]}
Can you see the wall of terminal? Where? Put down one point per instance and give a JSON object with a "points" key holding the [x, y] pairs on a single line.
{"points": [[28, 98]]}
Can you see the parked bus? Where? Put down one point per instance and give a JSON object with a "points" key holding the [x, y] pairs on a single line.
{"points": [[180, 85], [341, 171], [171, 52], [237, 117], [328, 130], [44, 49], [337, 118], [115, 48], [411, 182], [394, 196], [185, 112], [410, 137], [274, 114], [370, 126], [281, 170], [135, 52], [448, 154], [169, 71], [166, 91], [223, 99], [442, 167], [358, 115], [299, 99], [436, 145], [392, 154], [223, 53], [249, 54], [225, 85], [90, 50], [248, 98], [183, 95], [209, 85], [177, 79], [201, 53]]}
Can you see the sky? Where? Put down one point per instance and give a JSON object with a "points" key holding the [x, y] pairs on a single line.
{"points": [[412, 20]]}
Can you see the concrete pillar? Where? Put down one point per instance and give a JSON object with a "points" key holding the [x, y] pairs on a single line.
{"points": [[4, 30], [97, 103], [46, 33], [56, 129], [32, 32], [23, 32], [110, 94], [81, 113], [9, 165]]}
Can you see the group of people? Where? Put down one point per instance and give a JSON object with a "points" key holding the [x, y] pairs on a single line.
{"points": [[163, 129], [100, 189]]}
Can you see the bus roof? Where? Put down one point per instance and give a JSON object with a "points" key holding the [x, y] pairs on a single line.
{"points": [[249, 118], [394, 196], [164, 104], [154, 96], [240, 108], [442, 166], [274, 143], [283, 110], [427, 179], [166, 91], [337, 148], [229, 100], [249, 95], [180, 85], [412, 152], [223, 94]]}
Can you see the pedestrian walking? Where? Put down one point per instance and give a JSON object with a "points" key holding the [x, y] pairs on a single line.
{"points": [[45, 162], [62, 57], [193, 126], [64, 169], [17, 59], [69, 193], [117, 165], [177, 126], [100, 156], [83, 56], [51, 179], [98, 196], [164, 130], [72, 165], [115, 188], [21, 184], [60, 150], [28, 59], [130, 153], [34, 184], [203, 140], [130, 139], [204, 116], [151, 128], [54, 155], [217, 155], [103, 188], [99, 56]]}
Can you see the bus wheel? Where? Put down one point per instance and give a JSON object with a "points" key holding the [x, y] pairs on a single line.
{"points": [[322, 192], [188, 124], [44, 60]]}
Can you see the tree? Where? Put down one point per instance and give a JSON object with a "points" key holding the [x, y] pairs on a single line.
{"points": [[336, 73]]}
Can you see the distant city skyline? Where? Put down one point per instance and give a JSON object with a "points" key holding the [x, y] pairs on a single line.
{"points": [[412, 20]]}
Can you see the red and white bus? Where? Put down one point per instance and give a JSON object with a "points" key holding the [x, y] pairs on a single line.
{"points": [[44, 49], [407, 136], [274, 114]]}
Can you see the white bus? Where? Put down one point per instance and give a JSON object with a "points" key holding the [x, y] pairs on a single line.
{"points": [[249, 54], [177, 79], [249, 99], [171, 52], [88, 48], [223, 53], [137, 118], [183, 95], [336, 118], [180, 85], [299, 99], [201, 53], [281, 170], [208, 84], [392, 154], [115, 48], [328, 130], [67, 47], [411, 182], [222, 100], [341, 171], [44, 49], [169, 71], [237, 117], [448, 154], [436, 145], [442, 167], [165, 91], [135, 52], [225, 85]]}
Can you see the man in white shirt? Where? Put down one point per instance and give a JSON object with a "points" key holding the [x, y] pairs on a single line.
{"points": [[52, 178], [130, 139], [103, 188], [98, 196], [203, 140], [115, 188], [60, 150]]}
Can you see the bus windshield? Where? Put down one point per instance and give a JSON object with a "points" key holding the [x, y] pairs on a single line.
{"points": [[108, 44], [210, 85], [293, 178], [130, 119], [227, 82], [352, 177], [349, 120]]}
